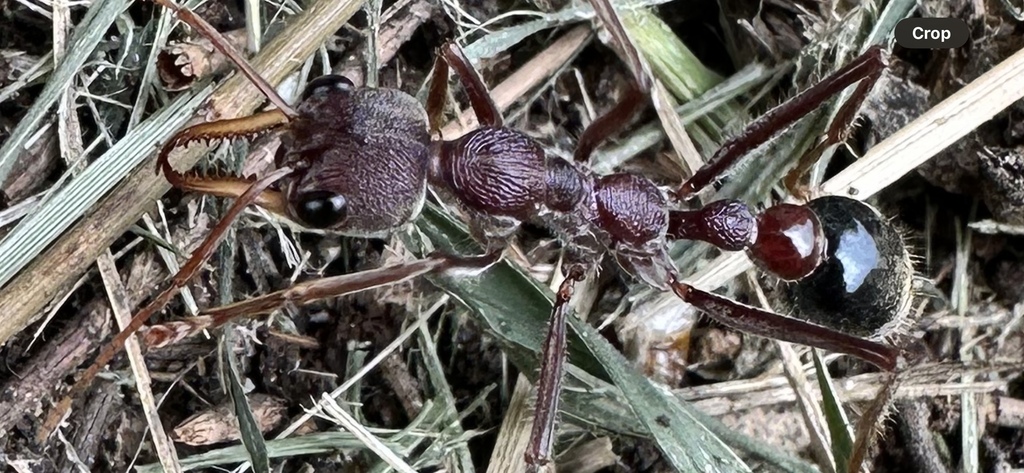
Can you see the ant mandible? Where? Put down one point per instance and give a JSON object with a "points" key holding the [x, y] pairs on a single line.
{"points": [[357, 161]]}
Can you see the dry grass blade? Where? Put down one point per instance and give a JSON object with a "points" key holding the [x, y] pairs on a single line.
{"points": [[25, 295], [514, 436], [89, 33], [117, 297], [385, 352], [339, 415]]}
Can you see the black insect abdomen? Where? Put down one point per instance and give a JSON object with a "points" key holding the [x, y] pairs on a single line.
{"points": [[863, 284]]}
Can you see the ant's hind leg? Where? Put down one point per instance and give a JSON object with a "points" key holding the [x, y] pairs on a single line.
{"points": [[866, 67], [763, 323], [479, 97], [840, 129]]}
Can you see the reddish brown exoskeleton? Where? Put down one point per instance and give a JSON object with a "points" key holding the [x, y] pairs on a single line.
{"points": [[358, 161]]}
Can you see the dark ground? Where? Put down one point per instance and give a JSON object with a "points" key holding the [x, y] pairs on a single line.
{"points": [[307, 352]]}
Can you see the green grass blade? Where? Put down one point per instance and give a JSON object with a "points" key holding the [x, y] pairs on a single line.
{"points": [[70, 203], [248, 428], [88, 34], [516, 311], [838, 424]]}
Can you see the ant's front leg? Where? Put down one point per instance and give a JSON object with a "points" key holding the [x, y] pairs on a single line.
{"points": [[311, 291], [187, 271]]}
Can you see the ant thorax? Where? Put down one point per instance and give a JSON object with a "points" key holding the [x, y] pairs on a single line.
{"points": [[501, 177], [362, 156], [863, 287]]}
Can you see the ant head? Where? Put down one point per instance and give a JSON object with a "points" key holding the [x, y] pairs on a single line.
{"points": [[863, 287], [325, 88], [362, 156]]}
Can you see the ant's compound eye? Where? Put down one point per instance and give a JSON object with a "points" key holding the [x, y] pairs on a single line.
{"points": [[321, 209], [325, 84]]}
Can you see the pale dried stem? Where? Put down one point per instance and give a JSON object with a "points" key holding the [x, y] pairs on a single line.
{"points": [[514, 435], [810, 408], [118, 298], [731, 397]]}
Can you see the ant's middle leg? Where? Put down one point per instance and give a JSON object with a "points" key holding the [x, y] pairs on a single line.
{"points": [[633, 100], [552, 368]]}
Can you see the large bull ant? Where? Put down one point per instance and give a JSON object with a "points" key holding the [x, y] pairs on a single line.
{"points": [[357, 161]]}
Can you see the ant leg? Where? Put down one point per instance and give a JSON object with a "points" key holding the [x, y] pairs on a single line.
{"points": [[631, 103], [225, 48], [868, 65], [549, 383], [769, 324], [234, 187], [438, 94], [187, 271], [838, 132], [483, 104], [310, 291]]}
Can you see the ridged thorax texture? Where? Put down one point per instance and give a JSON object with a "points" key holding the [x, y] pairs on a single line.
{"points": [[501, 177], [370, 146], [633, 212]]}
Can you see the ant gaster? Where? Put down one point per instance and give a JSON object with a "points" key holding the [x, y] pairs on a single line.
{"points": [[358, 160]]}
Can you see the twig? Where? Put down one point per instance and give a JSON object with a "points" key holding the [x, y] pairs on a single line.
{"points": [[118, 298]]}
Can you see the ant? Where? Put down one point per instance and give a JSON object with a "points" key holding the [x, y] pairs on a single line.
{"points": [[357, 161]]}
